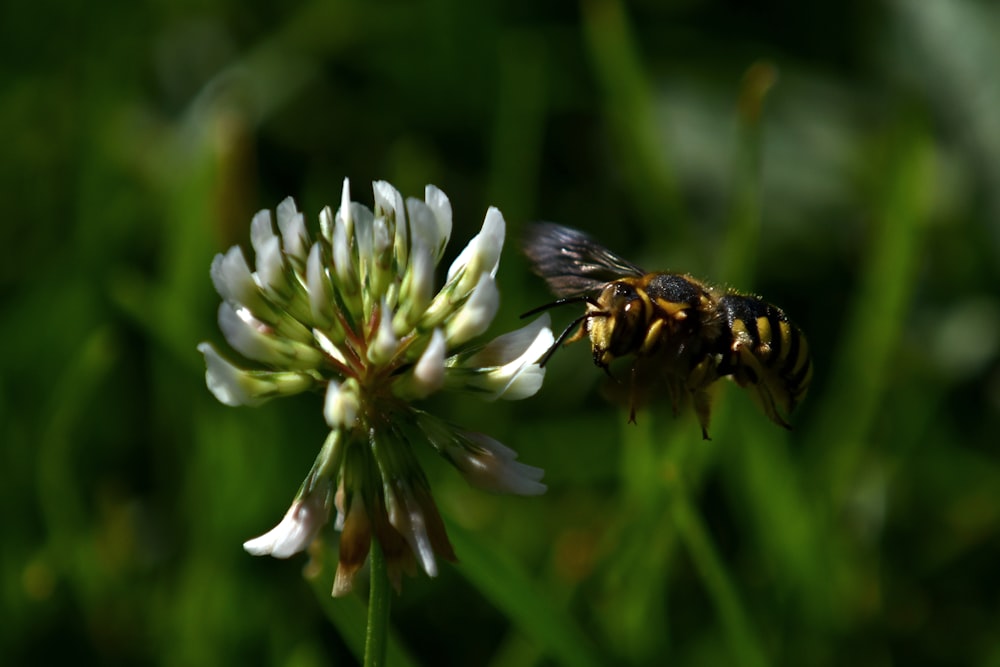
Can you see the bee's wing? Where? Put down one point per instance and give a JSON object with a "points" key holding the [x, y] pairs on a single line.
{"points": [[571, 262]]}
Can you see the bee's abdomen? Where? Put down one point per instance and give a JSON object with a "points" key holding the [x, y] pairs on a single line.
{"points": [[776, 343]]}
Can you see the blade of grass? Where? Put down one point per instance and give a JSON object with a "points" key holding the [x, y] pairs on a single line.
{"points": [[691, 529], [638, 549], [61, 495], [686, 458], [511, 590], [628, 106], [863, 364], [520, 123], [740, 252]]}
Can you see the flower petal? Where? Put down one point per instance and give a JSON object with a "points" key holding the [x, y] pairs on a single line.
{"points": [[342, 403], [261, 230], [344, 212], [298, 528], [481, 254], [292, 225], [383, 272], [424, 226], [408, 519], [523, 382], [416, 290], [429, 370], [476, 314], [488, 464], [506, 367], [326, 224], [427, 375], [232, 278], [355, 543], [441, 207], [256, 340], [234, 386], [229, 384], [364, 222], [385, 344], [343, 262], [414, 514], [271, 266], [533, 338], [318, 284], [389, 203]]}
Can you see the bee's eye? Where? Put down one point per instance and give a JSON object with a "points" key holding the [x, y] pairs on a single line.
{"points": [[624, 290]]}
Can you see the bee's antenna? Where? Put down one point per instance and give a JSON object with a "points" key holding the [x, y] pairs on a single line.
{"points": [[562, 337], [583, 298]]}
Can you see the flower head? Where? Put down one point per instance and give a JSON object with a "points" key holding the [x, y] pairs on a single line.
{"points": [[354, 313]]}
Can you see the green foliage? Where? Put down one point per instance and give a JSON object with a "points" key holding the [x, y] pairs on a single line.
{"points": [[841, 160]]}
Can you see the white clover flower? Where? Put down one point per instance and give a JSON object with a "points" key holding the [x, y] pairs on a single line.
{"points": [[354, 312]]}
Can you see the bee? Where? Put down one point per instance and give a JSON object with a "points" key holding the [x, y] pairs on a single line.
{"points": [[682, 332]]}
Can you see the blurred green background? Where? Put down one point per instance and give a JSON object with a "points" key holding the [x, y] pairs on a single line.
{"points": [[840, 158]]}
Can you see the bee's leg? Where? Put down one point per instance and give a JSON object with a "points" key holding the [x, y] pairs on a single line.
{"points": [[765, 399], [703, 408], [703, 374], [653, 338], [748, 372], [602, 360], [577, 335], [697, 383], [603, 366]]}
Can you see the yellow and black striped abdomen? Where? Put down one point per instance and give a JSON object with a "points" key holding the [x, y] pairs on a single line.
{"points": [[764, 349]]}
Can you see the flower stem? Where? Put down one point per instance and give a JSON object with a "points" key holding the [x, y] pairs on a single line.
{"points": [[378, 608]]}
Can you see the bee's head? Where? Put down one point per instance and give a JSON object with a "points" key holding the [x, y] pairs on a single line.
{"points": [[617, 321]]}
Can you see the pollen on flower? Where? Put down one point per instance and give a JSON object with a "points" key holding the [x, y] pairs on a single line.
{"points": [[351, 309]]}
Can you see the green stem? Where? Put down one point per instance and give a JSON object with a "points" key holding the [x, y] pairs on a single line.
{"points": [[378, 609]]}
